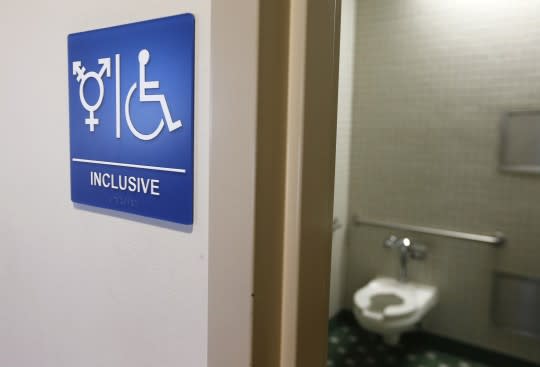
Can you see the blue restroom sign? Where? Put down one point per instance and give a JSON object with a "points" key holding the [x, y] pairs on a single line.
{"points": [[131, 117]]}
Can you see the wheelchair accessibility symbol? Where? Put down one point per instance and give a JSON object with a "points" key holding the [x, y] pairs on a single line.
{"points": [[143, 96]]}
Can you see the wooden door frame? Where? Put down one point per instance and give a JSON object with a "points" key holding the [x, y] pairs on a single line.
{"points": [[285, 75], [312, 116]]}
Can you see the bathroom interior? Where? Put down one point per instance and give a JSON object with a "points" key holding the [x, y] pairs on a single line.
{"points": [[436, 242]]}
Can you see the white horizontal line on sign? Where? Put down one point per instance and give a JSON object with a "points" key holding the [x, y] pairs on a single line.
{"points": [[117, 164]]}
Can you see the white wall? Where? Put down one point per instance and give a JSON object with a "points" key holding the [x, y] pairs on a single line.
{"points": [[343, 147], [81, 288]]}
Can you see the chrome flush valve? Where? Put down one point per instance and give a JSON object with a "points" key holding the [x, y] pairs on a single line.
{"points": [[407, 248]]}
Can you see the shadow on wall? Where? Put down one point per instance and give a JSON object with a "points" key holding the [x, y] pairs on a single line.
{"points": [[136, 218]]}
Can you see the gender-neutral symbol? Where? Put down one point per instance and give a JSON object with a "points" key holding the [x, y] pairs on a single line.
{"points": [[82, 77]]}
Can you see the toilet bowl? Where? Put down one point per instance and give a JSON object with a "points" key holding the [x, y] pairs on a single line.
{"points": [[389, 307]]}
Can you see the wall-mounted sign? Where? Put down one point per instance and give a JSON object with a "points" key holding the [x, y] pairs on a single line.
{"points": [[131, 117]]}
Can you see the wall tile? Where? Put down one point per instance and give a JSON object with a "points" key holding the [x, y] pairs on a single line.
{"points": [[432, 80]]}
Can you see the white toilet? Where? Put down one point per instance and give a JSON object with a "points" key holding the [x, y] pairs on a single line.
{"points": [[389, 307]]}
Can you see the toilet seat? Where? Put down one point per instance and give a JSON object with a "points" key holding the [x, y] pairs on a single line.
{"points": [[389, 307], [363, 298]]}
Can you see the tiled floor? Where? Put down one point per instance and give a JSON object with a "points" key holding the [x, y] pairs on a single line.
{"points": [[351, 346]]}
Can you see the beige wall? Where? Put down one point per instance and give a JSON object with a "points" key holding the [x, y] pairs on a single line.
{"points": [[432, 81], [79, 287], [233, 142], [90, 288]]}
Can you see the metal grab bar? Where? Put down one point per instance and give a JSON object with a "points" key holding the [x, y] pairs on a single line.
{"points": [[495, 240]]}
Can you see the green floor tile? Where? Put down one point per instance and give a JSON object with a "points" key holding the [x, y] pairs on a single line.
{"points": [[351, 346]]}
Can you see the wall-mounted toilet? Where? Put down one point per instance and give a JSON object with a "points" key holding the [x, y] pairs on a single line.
{"points": [[390, 307]]}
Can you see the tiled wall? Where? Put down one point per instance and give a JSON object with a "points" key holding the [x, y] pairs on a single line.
{"points": [[343, 146], [431, 82]]}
